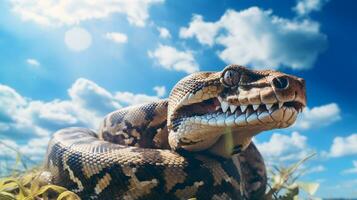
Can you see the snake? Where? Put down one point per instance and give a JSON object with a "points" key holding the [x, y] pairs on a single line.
{"points": [[197, 143]]}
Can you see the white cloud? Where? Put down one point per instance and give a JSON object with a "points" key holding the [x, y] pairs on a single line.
{"points": [[92, 97], [318, 116], [117, 37], [58, 114], [160, 91], [305, 7], [205, 32], [352, 170], [87, 104], [33, 62], [343, 146], [31, 121], [172, 59], [35, 148], [257, 37], [78, 39], [13, 121], [63, 12], [10, 102], [129, 98], [284, 148], [164, 32]]}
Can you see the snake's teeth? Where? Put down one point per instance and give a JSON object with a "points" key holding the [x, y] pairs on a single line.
{"points": [[233, 108], [224, 106], [243, 107], [255, 107], [269, 106]]}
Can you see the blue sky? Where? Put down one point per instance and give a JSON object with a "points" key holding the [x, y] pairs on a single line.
{"points": [[68, 64]]}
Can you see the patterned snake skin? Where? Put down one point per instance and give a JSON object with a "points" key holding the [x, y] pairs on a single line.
{"points": [[196, 144]]}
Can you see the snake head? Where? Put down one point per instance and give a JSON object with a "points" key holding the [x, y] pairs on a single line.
{"points": [[205, 107]]}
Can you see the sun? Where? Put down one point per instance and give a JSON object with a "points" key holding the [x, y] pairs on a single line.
{"points": [[78, 39]]}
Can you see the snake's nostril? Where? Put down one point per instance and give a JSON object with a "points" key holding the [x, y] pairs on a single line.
{"points": [[280, 82]]}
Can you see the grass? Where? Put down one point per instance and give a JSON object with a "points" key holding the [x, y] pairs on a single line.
{"points": [[284, 185], [29, 187], [24, 183]]}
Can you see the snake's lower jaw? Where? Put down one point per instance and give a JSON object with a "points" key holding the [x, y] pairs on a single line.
{"points": [[221, 139]]}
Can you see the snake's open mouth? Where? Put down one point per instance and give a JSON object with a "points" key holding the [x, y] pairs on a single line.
{"points": [[238, 101], [218, 112]]}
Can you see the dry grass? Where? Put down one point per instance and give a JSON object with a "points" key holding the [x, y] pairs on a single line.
{"points": [[284, 185], [24, 184], [29, 187]]}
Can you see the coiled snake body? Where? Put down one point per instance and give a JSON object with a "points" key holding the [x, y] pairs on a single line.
{"points": [[197, 143]]}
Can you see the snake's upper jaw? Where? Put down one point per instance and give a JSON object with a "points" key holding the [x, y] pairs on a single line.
{"points": [[236, 99]]}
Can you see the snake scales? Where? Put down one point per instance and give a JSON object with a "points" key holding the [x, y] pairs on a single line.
{"points": [[197, 143]]}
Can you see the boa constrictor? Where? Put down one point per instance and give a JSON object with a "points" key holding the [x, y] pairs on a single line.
{"points": [[195, 144]]}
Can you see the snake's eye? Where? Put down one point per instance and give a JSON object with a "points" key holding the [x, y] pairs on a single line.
{"points": [[231, 78]]}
